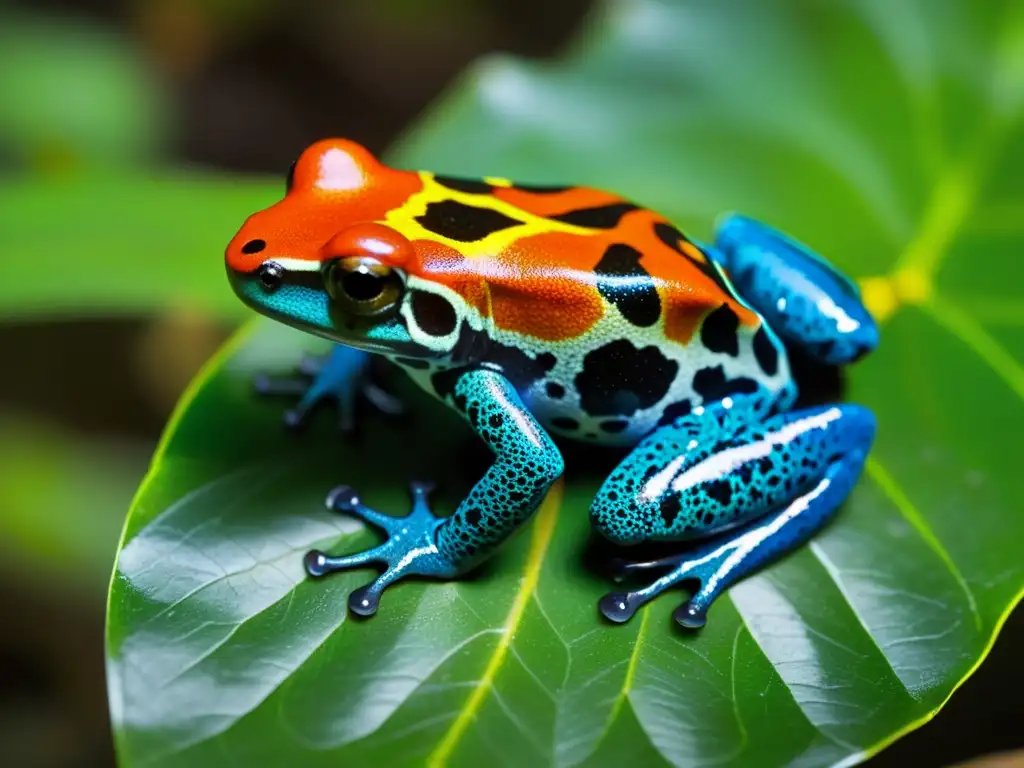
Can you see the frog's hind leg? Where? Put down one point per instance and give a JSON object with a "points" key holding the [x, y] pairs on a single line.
{"points": [[344, 375], [806, 300], [757, 488]]}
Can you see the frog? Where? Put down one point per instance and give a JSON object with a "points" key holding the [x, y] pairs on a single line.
{"points": [[543, 313]]}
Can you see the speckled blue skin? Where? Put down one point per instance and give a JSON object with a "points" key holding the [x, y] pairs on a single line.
{"points": [[746, 473], [527, 464], [803, 298], [771, 481]]}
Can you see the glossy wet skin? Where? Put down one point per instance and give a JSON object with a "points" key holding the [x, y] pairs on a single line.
{"points": [[571, 311], [606, 317]]}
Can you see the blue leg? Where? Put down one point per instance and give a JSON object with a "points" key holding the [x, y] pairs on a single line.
{"points": [[344, 376], [526, 464], [806, 300], [758, 488]]}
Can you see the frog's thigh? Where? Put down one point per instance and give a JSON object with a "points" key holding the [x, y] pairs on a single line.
{"points": [[806, 300], [767, 487]]}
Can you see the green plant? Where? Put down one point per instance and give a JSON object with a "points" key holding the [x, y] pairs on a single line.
{"points": [[886, 135]]}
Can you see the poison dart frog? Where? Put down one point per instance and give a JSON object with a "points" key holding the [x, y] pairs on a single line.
{"points": [[547, 310]]}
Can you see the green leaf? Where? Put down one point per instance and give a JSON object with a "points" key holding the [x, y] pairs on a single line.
{"points": [[63, 501], [76, 94], [122, 243], [886, 135]]}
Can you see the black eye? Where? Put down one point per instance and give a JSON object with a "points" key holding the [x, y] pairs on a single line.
{"points": [[270, 275], [363, 286]]}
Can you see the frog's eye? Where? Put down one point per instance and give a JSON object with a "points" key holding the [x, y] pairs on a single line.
{"points": [[362, 286]]}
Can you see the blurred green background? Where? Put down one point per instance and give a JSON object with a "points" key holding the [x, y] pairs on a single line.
{"points": [[111, 114]]}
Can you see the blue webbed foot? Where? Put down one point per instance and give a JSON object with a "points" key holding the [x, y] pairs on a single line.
{"points": [[411, 547], [344, 375]]}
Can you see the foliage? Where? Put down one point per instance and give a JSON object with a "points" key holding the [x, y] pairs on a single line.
{"points": [[887, 136], [75, 95]]}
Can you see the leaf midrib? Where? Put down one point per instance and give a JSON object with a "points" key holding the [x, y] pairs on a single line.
{"points": [[544, 528]]}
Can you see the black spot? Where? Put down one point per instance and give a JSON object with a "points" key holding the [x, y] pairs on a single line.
{"points": [[541, 189], [720, 491], [517, 366], [474, 348], [254, 246], [472, 186], [444, 381], [554, 390], [765, 352], [618, 379], [669, 235], [470, 347], [600, 217], [672, 237], [674, 411], [496, 420], [614, 426], [718, 331], [413, 362], [623, 282], [434, 314], [473, 515], [465, 223], [564, 422], [711, 384], [670, 507]]}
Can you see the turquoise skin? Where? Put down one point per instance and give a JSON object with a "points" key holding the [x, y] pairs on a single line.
{"points": [[739, 480]]}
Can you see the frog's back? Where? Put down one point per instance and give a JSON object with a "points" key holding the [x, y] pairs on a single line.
{"points": [[605, 316]]}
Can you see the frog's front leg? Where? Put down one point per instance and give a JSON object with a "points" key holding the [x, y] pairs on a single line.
{"points": [[806, 300], [526, 464], [344, 375], [759, 488]]}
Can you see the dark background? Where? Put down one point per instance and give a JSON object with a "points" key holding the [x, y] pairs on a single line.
{"points": [[248, 85]]}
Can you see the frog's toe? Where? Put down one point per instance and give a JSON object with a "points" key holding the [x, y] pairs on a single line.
{"points": [[345, 377], [690, 615], [270, 386], [410, 549], [619, 606], [383, 401]]}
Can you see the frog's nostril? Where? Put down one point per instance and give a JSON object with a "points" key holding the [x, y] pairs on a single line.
{"points": [[254, 246]]}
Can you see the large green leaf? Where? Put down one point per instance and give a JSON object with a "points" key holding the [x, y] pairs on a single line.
{"points": [[885, 134]]}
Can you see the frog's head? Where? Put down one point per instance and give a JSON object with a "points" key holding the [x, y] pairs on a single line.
{"points": [[322, 260]]}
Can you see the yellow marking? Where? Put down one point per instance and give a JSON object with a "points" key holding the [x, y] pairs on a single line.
{"points": [[693, 252], [888, 485], [403, 219], [497, 181], [544, 528]]}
